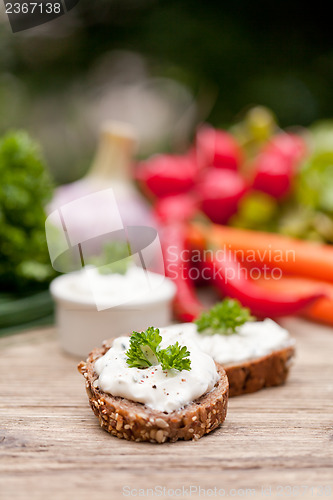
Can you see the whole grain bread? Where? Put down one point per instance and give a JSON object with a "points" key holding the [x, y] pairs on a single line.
{"points": [[253, 375], [137, 422]]}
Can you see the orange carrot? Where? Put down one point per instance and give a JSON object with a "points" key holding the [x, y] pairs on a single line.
{"points": [[292, 256], [195, 236]]}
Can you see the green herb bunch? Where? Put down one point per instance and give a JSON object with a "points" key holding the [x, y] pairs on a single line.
{"points": [[145, 351], [25, 188], [224, 318]]}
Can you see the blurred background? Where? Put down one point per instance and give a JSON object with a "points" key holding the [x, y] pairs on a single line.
{"points": [[165, 68]]}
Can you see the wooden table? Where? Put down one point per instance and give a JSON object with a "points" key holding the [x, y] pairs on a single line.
{"points": [[53, 448]]}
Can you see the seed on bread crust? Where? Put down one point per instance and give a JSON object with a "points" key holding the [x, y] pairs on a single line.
{"points": [[134, 421]]}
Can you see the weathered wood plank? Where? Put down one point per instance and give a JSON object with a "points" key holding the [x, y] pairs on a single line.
{"points": [[51, 445]]}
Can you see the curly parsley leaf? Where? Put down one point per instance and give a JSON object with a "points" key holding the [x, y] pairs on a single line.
{"points": [[224, 318], [143, 348], [145, 351], [115, 258], [175, 356]]}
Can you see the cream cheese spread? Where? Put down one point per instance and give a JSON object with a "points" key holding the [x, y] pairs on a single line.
{"points": [[253, 340], [162, 390], [136, 286]]}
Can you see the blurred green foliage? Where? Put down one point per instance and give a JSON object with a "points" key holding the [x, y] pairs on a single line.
{"points": [[25, 189]]}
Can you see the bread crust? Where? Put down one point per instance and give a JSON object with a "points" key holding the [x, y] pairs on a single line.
{"points": [[137, 422], [253, 375]]}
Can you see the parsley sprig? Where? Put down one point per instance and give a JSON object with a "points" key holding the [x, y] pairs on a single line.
{"points": [[115, 258], [143, 348], [145, 351], [224, 318], [175, 356]]}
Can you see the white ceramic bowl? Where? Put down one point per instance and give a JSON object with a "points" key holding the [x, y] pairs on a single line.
{"points": [[83, 325]]}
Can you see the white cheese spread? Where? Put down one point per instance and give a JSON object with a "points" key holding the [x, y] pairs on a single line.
{"points": [[253, 340], [136, 286], [162, 390]]}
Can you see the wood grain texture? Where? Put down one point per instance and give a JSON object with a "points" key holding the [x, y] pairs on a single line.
{"points": [[51, 445]]}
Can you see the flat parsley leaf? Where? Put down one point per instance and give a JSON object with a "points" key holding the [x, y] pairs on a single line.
{"points": [[224, 318]]}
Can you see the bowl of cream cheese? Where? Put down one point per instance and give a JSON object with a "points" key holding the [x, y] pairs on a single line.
{"points": [[92, 307]]}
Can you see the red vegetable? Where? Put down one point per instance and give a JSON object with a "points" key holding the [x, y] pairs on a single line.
{"points": [[176, 208], [219, 193], [187, 306], [276, 164], [321, 310], [217, 148], [273, 174], [291, 146], [230, 278], [163, 175]]}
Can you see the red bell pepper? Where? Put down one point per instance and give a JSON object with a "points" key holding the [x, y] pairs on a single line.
{"points": [[231, 280]]}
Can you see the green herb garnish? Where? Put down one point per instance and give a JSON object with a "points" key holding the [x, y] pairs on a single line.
{"points": [[145, 351], [175, 356], [115, 258], [224, 318], [143, 348]]}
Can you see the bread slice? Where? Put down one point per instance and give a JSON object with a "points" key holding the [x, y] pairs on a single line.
{"points": [[137, 422], [249, 374], [255, 374]]}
